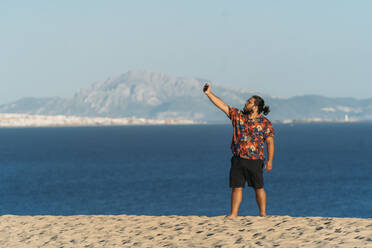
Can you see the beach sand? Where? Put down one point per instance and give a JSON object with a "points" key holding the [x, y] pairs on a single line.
{"points": [[182, 231]]}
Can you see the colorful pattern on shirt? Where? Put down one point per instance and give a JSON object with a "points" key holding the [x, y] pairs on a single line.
{"points": [[249, 134]]}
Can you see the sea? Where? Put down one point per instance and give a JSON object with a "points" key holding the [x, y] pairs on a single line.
{"points": [[319, 169]]}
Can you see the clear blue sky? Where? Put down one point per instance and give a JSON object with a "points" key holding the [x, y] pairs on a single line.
{"points": [[283, 48]]}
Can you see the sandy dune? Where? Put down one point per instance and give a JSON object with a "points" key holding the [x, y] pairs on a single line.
{"points": [[182, 231]]}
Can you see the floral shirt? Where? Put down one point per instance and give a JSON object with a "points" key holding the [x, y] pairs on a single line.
{"points": [[249, 134]]}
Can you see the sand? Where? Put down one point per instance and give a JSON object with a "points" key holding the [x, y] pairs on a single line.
{"points": [[182, 231]]}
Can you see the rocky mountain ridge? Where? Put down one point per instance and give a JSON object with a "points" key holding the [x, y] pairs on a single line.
{"points": [[155, 95]]}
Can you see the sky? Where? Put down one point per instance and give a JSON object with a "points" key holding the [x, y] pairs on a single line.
{"points": [[282, 48]]}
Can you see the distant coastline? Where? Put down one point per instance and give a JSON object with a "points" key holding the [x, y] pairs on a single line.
{"points": [[30, 120], [316, 120], [27, 120]]}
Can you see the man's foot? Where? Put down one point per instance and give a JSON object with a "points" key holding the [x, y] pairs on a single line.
{"points": [[231, 216], [262, 214]]}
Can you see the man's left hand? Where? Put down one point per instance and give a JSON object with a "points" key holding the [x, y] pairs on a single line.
{"points": [[268, 166]]}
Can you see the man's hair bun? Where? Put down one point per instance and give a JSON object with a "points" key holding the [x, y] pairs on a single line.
{"points": [[266, 109]]}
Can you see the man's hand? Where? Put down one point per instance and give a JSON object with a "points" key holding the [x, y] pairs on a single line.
{"points": [[268, 165], [207, 88], [216, 100], [270, 153]]}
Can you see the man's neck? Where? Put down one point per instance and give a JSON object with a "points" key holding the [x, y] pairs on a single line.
{"points": [[253, 115]]}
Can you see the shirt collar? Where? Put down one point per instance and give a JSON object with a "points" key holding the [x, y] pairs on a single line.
{"points": [[257, 118]]}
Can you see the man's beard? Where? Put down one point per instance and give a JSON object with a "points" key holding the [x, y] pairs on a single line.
{"points": [[247, 111]]}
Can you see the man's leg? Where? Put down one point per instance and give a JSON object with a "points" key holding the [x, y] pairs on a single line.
{"points": [[261, 200], [236, 199]]}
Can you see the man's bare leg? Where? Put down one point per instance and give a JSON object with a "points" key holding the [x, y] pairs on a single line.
{"points": [[261, 200], [236, 199]]}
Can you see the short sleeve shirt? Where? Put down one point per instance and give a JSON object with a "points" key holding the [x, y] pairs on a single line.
{"points": [[249, 134]]}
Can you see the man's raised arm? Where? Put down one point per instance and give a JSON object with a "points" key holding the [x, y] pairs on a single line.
{"points": [[216, 100]]}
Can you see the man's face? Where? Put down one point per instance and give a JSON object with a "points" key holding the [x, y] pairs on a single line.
{"points": [[249, 106]]}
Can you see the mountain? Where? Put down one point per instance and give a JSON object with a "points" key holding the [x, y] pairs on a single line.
{"points": [[158, 96]]}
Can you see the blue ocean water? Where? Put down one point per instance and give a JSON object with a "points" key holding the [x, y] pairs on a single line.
{"points": [[319, 170]]}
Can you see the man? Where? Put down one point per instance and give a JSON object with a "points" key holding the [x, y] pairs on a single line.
{"points": [[251, 131]]}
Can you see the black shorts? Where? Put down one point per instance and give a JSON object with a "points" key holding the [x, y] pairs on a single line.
{"points": [[246, 170]]}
